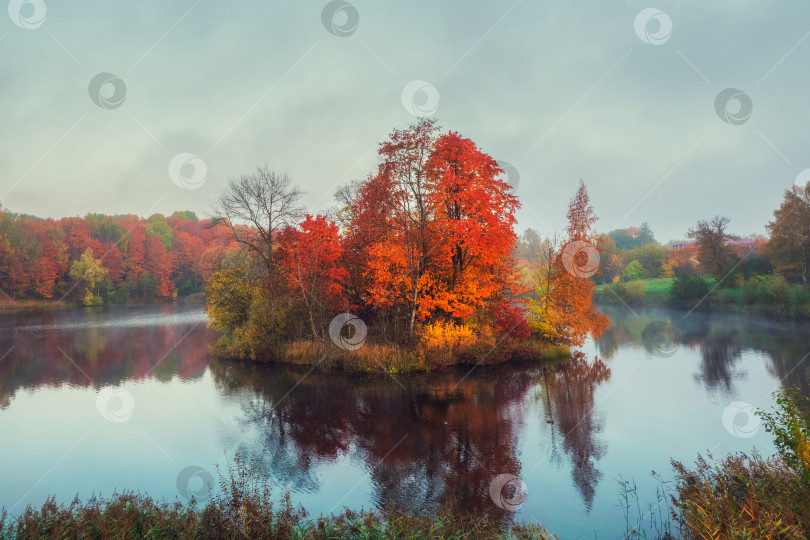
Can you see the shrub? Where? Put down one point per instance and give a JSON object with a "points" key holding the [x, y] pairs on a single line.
{"points": [[725, 296], [447, 334], [799, 295], [687, 289], [186, 288], [444, 341], [370, 358], [620, 288], [773, 289], [741, 497], [635, 291], [751, 288], [751, 497], [510, 319], [260, 337], [617, 289], [790, 426]]}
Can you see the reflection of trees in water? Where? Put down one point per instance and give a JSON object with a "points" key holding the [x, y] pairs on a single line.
{"points": [[721, 340], [569, 400], [264, 429], [102, 356], [438, 441], [719, 353], [789, 352], [610, 340]]}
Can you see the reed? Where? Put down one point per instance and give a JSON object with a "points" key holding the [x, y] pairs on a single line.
{"points": [[244, 507]]}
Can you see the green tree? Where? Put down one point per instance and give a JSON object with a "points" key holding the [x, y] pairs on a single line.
{"points": [[650, 256], [146, 287], [645, 235], [104, 228], [156, 225], [633, 271], [92, 273], [545, 316], [186, 214], [238, 306], [623, 240]]}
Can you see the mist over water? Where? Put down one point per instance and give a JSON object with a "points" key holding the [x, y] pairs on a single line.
{"points": [[94, 401]]}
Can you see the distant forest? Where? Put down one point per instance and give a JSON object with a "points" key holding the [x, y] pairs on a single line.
{"points": [[107, 259]]}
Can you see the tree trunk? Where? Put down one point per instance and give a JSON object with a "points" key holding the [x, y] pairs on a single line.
{"points": [[307, 301], [412, 318]]}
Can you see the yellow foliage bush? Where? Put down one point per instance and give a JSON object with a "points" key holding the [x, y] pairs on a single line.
{"points": [[447, 335]]}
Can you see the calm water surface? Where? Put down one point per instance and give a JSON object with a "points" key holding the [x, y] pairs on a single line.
{"points": [[97, 401]]}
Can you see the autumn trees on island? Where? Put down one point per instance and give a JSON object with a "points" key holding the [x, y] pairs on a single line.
{"points": [[420, 255], [421, 252]]}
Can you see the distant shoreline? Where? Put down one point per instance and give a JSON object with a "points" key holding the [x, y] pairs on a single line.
{"points": [[41, 304], [721, 300]]}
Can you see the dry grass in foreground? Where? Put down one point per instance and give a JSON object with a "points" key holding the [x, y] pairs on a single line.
{"points": [[741, 497], [245, 507]]}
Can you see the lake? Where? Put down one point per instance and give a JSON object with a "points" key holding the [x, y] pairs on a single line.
{"points": [[105, 400]]}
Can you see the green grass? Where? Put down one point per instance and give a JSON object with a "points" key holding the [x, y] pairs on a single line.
{"points": [[658, 287], [662, 286]]}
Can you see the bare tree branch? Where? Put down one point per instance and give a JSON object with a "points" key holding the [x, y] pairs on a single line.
{"points": [[254, 208]]}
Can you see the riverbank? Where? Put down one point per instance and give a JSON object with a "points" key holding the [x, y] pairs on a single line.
{"points": [[391, 358], [767, 299], [38, 304], [7, 305]]}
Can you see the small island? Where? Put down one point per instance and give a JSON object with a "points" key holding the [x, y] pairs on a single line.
{"points": [[413, 270]]}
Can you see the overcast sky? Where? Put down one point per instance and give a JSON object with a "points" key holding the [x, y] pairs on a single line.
{"points": [[600, 90]]}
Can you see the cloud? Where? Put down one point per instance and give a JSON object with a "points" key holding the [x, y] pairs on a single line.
{"points": [[561, 91]]}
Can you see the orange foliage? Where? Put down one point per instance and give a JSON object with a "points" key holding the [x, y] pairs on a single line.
{"points": [[310, 258], [564, 311], [436, 226]]}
